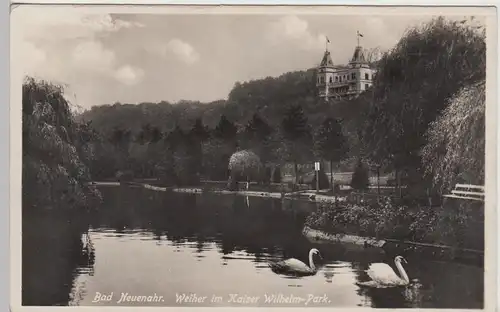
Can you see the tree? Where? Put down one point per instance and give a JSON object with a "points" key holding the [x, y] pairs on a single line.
{"points": [[156, 135], [200, 131], [144, 135], [257, 129], [330, 143], [54, 173], [413, 85], [257, 136], [219, 148], [198, 135], [360, 178], [297, 136], [456, 140], [244, 165], [225, 129]]}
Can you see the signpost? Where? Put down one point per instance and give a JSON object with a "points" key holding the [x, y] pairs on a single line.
{"points": [[316, 168]]}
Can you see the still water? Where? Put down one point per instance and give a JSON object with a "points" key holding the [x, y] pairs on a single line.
{"points": [[213, 251]]}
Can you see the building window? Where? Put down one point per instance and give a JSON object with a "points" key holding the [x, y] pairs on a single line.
{"points": [[366, 86], [336, 78], [353, 76], [367, 77], [331, 79]]}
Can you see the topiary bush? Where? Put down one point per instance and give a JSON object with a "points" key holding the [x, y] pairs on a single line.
{"points": [[360, 177], [324, 183]]}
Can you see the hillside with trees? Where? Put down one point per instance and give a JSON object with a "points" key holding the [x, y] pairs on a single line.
{"points": [[269, 97]]}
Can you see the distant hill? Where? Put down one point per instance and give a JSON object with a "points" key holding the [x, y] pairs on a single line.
{"points": [[269, 97]]}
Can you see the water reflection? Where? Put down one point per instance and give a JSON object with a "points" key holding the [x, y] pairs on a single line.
{"points": [[145, 242], [54, 251]]}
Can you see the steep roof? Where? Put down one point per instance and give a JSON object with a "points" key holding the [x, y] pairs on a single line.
{"points": [[327, 60], [359, 56]]}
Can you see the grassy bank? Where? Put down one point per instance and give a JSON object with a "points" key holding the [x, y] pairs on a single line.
{"points": [[457, 223]]}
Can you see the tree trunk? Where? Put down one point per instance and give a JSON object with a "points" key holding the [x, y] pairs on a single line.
{"points": [[396, 180], [331, 177], [399, 185], [295, 168], [378, 180]]}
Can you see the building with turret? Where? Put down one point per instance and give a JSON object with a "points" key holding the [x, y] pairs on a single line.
{"points": [[344, 81]]}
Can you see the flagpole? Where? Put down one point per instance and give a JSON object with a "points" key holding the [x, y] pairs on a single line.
{"points": [[357, 36]]}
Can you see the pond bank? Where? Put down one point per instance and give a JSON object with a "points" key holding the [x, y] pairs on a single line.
{"points": [[309, 195], [399, 247]]}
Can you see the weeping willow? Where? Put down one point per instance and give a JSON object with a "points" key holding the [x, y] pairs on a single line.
{"points": [[55, 151], [245, 163], [455, 151], [415, 81]]}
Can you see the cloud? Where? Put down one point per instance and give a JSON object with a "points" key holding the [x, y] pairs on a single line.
{"points": [[92, 56], [129, 75], [65, 45], [183, 50], [32, 57], [294, 29]]}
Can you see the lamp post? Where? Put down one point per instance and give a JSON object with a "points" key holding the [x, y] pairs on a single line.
{"points": [[316, 168]]}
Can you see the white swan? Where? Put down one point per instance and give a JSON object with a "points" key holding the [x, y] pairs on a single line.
{"points": [[296, 267], [383, 275]]}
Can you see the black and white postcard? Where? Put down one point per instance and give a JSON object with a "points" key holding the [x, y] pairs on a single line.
{"points": [[253, 156]]}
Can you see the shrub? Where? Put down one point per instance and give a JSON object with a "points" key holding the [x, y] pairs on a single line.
{"points": [[457, 224], [360, 178], [323, 180]]}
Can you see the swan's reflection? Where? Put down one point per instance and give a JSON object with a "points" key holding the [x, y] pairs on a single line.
{"points": [[328, 273], [394, 297]]}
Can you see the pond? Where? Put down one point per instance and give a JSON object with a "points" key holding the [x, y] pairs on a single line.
{"points": [[209, 250]]}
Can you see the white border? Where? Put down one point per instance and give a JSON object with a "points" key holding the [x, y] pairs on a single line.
{"points": [[491, 134], [431, 3]]}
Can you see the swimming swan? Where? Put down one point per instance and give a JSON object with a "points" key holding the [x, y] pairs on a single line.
{"points": [[383, 275], [294, 266]]}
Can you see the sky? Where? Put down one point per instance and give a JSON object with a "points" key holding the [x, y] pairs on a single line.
{"points": [[105, 58]]}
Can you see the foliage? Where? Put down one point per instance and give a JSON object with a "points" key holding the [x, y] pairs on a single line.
{"points": [[245, 163], [297, 135], [225, 129], [330, 142], [414, 82], [257, 135], [360, 177], [56, 151], [455, 151], [388, 219], [199, 131]]}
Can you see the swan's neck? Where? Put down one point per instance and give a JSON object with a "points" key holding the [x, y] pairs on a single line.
{"points": [[311, 261], [402, 272]]}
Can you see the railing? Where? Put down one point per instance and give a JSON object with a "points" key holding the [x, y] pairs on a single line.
{"points": [[467, 191]]}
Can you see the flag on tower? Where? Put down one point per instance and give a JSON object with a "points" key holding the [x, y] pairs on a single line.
{"points": [[359, 34], [327, 40]]}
